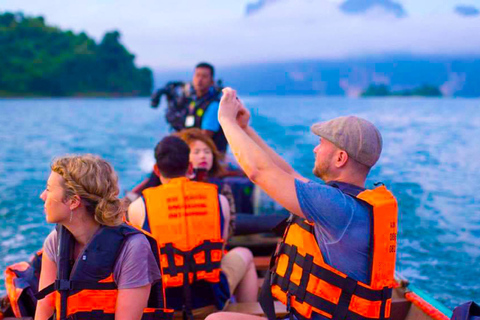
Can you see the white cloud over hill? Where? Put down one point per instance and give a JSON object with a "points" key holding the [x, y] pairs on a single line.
{"points": [[179, 34]]}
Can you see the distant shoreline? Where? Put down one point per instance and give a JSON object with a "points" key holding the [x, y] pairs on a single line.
{"points": [[76, 96], [253, 95]]}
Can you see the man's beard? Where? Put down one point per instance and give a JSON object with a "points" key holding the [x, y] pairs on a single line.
{"points": [[321, 170]]}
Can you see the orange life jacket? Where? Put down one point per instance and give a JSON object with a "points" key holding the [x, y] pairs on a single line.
{"points": [[184, 218], [21, 284], [87, 290], [302, 280]]}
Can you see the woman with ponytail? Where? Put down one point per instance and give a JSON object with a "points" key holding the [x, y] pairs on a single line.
{"points": [[110, 267]]}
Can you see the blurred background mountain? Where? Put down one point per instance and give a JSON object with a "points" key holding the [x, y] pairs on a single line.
{"points": [[281, 47], [456, 77], [41, 60]]}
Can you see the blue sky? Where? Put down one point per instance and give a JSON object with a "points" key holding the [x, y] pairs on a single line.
{"points": [[177, 34]]}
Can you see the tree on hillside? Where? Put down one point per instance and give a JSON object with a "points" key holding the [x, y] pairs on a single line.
{"points": [[38, 59]]}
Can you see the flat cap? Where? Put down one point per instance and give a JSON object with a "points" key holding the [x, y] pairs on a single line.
{"points": [[358, 137]]}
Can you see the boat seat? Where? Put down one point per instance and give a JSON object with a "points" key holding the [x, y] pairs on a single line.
{"points": [[255, 309], [261, 263]]}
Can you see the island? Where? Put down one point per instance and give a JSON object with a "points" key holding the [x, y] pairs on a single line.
{"points": [[38, 60], [384, 91]]}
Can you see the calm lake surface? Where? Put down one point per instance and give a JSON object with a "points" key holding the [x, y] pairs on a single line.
{"points": [[431, 162]]}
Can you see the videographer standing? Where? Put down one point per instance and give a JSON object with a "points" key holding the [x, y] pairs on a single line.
{"points": [[195, 107]]}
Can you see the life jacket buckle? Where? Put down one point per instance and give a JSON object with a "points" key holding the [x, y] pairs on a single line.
{"points": [[63, 285]]}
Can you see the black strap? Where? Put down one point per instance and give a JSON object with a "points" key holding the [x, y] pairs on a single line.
{"points": [[266, 298], [187, 293], [304, 225], [348, 285], [335, 279], [306, 269], [386, 292], [92, 315], [170, 251], [65, 257], [158, 314], [207, 247], [69, 285], [280, 228], [310, 298], [345, 297], [291, 261], [208, 255], [45, 291]]}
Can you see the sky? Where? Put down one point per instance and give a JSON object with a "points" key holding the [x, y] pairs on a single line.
{"points": [[177, 34]]}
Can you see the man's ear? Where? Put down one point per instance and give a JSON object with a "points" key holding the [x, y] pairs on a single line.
{"points": [[341, 158], [156, 170]]}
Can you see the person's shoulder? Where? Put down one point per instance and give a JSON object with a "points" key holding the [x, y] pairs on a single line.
{"points": [[310, 184], [135, 244], [50, 245], [136, 240], [52, 237], [311, 193], [136, 212]]}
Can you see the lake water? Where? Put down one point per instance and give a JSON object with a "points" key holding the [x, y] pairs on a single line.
{"points": [[430, 162]]}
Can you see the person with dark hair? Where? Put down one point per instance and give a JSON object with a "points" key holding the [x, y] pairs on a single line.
{"points": [[190, 219], [172, 157], [195, 104]]}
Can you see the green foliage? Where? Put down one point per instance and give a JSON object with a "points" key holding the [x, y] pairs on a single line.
{"points": [[376, 91], [383, 91], [40, 60]]}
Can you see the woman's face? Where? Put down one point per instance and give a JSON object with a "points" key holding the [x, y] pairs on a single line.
{"points": [[201, 155], [56, 209]]}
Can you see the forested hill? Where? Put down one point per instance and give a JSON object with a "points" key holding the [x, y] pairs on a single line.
{"points": [[41, 60]]}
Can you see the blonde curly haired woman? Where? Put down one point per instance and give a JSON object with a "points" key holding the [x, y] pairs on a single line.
{"points": [[114, 266]]}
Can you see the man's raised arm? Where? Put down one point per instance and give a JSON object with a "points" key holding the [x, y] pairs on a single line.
{"points": [[275, 177]]}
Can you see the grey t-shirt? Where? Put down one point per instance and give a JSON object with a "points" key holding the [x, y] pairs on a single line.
{"points": [[135, 266]]}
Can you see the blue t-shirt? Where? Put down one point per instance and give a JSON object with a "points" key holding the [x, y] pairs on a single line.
{"points": [[343, 226], [210, 118]]}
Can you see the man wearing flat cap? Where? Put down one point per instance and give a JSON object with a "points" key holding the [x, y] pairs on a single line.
{"points": [[337, 257]]}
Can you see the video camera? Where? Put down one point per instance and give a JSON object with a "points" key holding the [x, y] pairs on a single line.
{"points": [[171, 90]]}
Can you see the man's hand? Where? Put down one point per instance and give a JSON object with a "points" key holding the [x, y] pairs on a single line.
{"points": [[230, 106], [243, 116]]}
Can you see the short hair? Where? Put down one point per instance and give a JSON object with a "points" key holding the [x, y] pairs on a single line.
{"points": [[172, 157], [207, 66], [95, 182]]}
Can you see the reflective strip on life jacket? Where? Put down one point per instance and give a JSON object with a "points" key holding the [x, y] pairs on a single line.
{"points": [[89, 290], [306, 284], [184, 218]]}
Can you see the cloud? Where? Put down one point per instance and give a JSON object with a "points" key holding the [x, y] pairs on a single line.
{"points": [[296, 30], [467, 11], [179, 35], [254, 7], [362, 6]]}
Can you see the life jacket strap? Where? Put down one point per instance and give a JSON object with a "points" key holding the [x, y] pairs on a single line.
{"points": [[45, 291], [70, 285], [345, 297], [331, 277], [157, 314], [189, 264], [92, 315]]}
